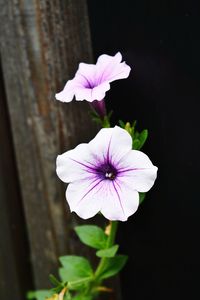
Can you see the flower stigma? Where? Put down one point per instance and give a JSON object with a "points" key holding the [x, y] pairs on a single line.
{"points": [[110, 175], [107, 171]]}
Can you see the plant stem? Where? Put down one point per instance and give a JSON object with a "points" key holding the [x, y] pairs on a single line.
{"points": [[110, 242]]}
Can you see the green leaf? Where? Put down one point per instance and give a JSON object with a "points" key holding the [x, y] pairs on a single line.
{"points": [[39, 295], [109, 252], [142, 197], [92, 236], [121, 123], [74, 267], [134, 124], [54, 280], [79, 284], [136, 144], [113, 266], [136, 135], [143, 137], [68, 296]]}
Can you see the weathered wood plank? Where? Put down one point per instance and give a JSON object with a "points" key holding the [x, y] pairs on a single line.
{"points": [[41, 45], [15, 271]]}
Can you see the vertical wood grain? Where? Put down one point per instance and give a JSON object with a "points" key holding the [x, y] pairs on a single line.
{"points": [[15, 270], [42, 43]]}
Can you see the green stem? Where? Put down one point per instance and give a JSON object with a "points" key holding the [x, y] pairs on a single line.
{"points": [[110, 242]]}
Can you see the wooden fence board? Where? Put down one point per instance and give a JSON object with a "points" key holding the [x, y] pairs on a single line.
{"points": [[15, 271], [41, 45]]}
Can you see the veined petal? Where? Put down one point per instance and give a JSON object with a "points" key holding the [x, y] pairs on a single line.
{"points": [[110, 68], [111, 144], [85, 196], [75, 164], [137, 171], [88, 73], [99, 92], [106, 175], [121, 201]]}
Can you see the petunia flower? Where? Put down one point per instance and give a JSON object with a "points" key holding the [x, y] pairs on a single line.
{"points": [[91, 82], [106, 175]]}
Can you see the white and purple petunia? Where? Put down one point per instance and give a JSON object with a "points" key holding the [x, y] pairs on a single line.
{"points": [[91, 82], [106, 175]]}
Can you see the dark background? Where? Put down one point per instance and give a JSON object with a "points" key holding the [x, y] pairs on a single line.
{"points": [[160, 40]]}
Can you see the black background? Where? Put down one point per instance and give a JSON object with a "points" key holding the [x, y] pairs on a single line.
{"points": [[160, 40]]}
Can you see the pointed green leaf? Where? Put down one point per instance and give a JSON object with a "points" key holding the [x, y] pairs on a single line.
{"points": [[113, 266], [54, 280], [92, 236], [109, 252], [134, 124], [142, 197], [74, 267], [121, 123], [143, 137], [136, 144]]}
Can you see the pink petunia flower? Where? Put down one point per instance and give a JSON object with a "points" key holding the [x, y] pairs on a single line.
{"points": [[91, 82], [106, 175]]}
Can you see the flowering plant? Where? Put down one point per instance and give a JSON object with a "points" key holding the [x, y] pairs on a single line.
{"points": [[109, 175]]}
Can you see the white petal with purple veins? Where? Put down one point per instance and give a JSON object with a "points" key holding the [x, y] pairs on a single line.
{"points": [[106, 144], [120, 202], [106, 175], [75, 164], [85, 196], [137, 170]]}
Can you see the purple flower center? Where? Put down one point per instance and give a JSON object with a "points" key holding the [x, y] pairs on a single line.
{"points": [[107, 171], [89, 84]]}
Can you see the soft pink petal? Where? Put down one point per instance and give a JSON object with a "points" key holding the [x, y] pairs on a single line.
{"points": [[110, 68], [111, 144], [136, 170], [88, 73], [84, 94], [91, 94], [80, 85], [75, 164], [120, 202], [67, 94], [99, 92]]}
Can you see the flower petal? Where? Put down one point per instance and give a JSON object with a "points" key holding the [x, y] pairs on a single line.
{"points": [[137, 171], [111, 144], [120, 202], [67, 94], [99, 92], [110, 68], [84, 94], [85, 196], [75, 164], [87, 73]]}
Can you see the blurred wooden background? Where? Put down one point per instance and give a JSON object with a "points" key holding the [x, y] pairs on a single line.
{"points": [[41, 44]]}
